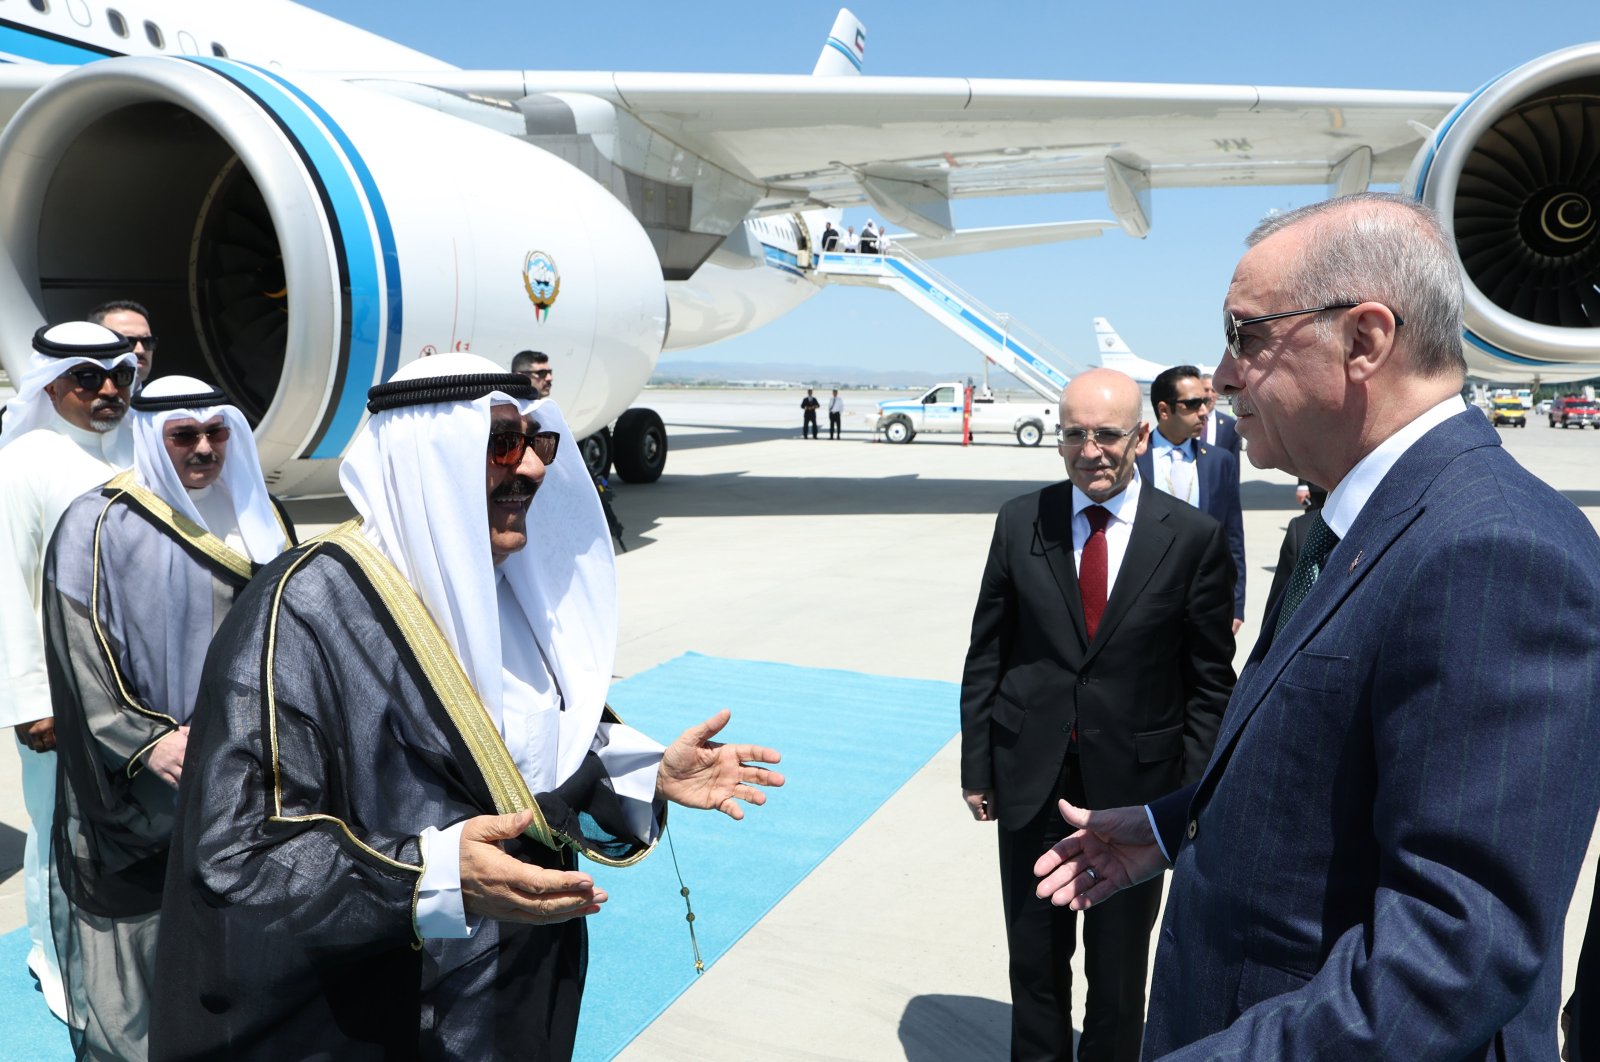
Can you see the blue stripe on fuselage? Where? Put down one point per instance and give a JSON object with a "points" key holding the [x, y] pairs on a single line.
{"points": [[40, 47]]}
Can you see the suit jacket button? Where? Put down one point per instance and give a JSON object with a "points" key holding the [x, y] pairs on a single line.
{"points": [[1083, 680], [1194, 828]]}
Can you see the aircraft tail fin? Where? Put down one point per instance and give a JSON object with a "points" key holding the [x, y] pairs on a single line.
{"points": [[1113, 351], [845, 50]]}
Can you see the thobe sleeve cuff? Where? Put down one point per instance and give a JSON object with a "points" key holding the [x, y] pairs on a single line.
{"points": [[632, 761], [1151, 816], [440, 914]]}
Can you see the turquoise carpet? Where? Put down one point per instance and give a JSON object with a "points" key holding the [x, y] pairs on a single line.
{"points": [[849, 741]]}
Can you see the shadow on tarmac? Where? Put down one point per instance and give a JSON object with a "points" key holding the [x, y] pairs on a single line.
{"points": [[950, 1028], [11, 842]]}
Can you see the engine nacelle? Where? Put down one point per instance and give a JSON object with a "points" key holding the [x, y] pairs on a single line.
{"points": [[297, 240], [1514, 173]]}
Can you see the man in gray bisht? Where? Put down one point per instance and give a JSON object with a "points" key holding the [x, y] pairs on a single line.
{"points": [[140, 573]]}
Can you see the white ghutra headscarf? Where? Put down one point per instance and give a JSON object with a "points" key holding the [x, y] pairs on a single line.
{"points": [[178, 397], [57, 350], [416, 476]]}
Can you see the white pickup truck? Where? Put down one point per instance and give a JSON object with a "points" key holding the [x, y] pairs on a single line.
{"points": [[939, 409]]}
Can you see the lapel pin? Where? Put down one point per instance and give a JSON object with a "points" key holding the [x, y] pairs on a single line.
{"points": [[1354, 561]]}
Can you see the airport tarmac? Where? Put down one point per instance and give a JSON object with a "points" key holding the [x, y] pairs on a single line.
{"points": [[864, 556]]}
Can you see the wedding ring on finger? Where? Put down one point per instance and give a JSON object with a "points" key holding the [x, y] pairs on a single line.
{"points": [[1092, 875]]}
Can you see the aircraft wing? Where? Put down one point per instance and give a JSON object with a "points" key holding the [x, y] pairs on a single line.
{"points": [[840, 142]]}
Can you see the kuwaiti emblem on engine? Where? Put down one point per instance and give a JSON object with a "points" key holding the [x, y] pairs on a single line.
{"points": [[542, 280]]}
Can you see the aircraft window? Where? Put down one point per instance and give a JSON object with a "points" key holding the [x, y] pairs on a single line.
{"points": [[118, 24], [186, 43], [153, 33], [40, 5], [218, 50]]}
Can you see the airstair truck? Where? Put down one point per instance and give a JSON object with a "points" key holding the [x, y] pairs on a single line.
{"points": [[941, 408]]}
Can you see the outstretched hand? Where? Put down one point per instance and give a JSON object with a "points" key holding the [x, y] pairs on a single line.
{"points": [[1111, 850], [504, 888], [700, 773]]}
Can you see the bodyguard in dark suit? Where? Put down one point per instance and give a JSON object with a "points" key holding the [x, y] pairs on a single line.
{"points": [[1379, 858], [1178, 464], [1221, 430], [1099, 664]]}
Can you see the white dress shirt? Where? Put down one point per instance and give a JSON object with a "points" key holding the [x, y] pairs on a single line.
{"points": [[1174, 468], [1122, 508], [1346, 501]]}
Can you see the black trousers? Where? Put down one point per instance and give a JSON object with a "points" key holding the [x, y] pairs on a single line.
{"points": [[1042, 939], [808, 427], [835, 429]]}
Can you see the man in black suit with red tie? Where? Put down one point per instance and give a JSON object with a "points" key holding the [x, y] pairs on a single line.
{"points": [[1100, 662]]}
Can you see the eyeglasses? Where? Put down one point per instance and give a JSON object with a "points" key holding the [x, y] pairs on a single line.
{"points": [[186, 438], [94, 379], [1193, 405], [147, 342], [1232, 324], [540, 374], [507, 447], [1105, 438]]}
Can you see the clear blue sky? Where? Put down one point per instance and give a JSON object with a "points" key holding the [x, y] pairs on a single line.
{"points": [[1163, 292]]}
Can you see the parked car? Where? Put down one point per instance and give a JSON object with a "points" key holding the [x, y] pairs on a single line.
{"points": [[1574, 409], [1508, 410]]}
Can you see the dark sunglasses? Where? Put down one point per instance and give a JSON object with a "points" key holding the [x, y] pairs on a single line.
{"points": [[1232, 324], [148, 342], [1193, 405], [507, 447], [540, 374], [186, 438], [94, 379]]}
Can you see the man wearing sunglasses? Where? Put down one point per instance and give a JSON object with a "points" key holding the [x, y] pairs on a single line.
{"points": [[535, 365], [401, 743], [1379, 859], [1100, 660], [139, 574], [1219, 428], [130, 319], [62, 435], [1177, 463]]}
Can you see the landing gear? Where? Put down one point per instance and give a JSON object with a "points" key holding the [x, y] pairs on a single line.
{"points": [[597, 453], [640, 446]]}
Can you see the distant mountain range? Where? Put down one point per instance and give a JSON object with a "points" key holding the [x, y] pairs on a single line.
{"points": [[757, 374]]}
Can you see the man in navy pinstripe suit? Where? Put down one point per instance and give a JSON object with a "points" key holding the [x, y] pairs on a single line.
{"points": [[1378, 860]]}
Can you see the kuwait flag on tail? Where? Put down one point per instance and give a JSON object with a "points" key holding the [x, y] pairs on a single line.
{"points": [[861, 42]]}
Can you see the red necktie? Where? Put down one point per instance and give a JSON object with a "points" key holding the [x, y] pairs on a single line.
{"points": [[1092, 568]]}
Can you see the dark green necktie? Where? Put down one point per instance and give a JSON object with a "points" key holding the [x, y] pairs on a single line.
{"points": [[1319, 542]]}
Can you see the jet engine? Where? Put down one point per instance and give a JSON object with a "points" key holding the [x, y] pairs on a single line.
{"points": [[1515, 174], [297, 240]]}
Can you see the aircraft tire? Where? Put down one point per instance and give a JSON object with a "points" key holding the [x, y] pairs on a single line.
{"points": [[639, 446], [596, 451]]}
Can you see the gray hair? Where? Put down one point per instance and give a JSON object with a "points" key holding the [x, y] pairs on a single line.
{"points": [[1383, 248]]}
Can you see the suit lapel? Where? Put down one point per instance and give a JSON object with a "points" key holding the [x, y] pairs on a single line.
{"points": [[1396, 503], [1202, 476], [1148, 543], [1052, 537]]}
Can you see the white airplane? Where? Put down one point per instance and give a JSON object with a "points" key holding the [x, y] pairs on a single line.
{"points": [[1115, 354], [306, 206]]}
